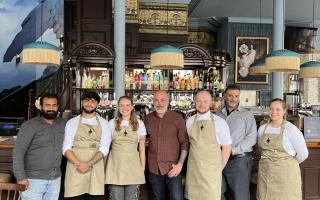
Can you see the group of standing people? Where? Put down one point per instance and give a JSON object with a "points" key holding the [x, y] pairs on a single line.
{"points": [[216, 147]]}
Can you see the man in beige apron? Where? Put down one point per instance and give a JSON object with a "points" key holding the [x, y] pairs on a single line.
{"points": [[206, 157], [279, 173], [87, 141]]}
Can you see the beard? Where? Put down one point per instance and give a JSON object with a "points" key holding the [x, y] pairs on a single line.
{"points": [[49, 114], [89, 111]]}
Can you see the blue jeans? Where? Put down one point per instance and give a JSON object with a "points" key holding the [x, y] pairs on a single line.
{"points": [[42, 189], [161, 182]]}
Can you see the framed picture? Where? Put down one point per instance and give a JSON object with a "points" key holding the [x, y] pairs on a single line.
{"points": [[248, 51]]}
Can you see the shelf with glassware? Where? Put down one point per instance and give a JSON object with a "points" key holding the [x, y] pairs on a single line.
{"points": [[181, 84], [93, 77]]}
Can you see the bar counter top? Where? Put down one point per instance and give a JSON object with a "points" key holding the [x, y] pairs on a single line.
{"points": [[7, 143]]}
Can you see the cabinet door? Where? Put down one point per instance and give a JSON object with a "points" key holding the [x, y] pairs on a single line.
{"points": [[310, 171]]}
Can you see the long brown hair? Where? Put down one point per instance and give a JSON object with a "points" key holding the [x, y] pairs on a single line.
{"points": [[133, 122]]}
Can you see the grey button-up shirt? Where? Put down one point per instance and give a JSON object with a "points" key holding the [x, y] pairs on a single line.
{"points": [[243, 129], [38, 150]]}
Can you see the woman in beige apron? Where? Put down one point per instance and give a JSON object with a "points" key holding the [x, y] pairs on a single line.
{"points": [[85, 146], [204, 171], [126, 161], [279, 175]]}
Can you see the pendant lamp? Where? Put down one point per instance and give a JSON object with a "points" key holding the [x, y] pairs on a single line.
{"points": [[40, 52], [258, 68], [167, 56], [310, 69], [283, 60]]}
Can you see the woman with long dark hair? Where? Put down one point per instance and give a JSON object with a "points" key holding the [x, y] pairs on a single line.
{"points": [[126, 160]]}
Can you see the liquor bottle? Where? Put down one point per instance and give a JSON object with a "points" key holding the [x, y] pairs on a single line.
{"points": [[127, 81], [182, 84], [136, 80], [107, 80], [161, 81], [140, 80], [187, 82], [192, 82], [208, 81], [84, 80], [131, 78], [201, 82], [155, 81], [149, 81], [173, 83], [177, 83], [78, 78], [196, 80], [89, 83]]}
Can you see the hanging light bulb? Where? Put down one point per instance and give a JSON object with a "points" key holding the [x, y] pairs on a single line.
{"points": [[40, 52], [167, 56]]}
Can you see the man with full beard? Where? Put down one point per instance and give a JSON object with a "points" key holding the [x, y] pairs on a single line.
{"points": [[87, 140], [37, 153], [210, 148]]}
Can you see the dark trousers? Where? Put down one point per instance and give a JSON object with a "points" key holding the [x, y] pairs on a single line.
{"points": [[236, 178], [87, 197], [160, 184]]}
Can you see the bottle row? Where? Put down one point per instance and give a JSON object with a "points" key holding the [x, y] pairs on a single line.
{"points": [[147, 79]]}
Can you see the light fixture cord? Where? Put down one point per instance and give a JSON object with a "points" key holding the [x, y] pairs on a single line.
{"points": [[284, 22], [314, 4], [41, 3], [260, 26], [167, 21]]}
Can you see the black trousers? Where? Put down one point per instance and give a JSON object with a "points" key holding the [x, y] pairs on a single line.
{"points": [[236, 178], [88, 197]]}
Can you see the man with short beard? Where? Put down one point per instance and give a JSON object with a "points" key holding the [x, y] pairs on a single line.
{"points": [[37, 153], [86, 143], [210, 148], [237, 173]]}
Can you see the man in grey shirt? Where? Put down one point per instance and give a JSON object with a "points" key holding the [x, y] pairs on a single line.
{"points": [[38, 152], [243, 130]]}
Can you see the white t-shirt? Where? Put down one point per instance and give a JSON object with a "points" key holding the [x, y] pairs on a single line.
{"points": [[141, 128], [293, 140], [72, 126], [222, 128]]}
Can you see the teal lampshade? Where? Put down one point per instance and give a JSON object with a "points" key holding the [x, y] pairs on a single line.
{"points": [[258, 68], [310, 69], [283, 60], [40, 52], [167, 57]]}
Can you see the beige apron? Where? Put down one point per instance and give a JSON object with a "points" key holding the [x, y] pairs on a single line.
{"points": [[279, 175], [85, 145], [204, 171], [123, 164]]}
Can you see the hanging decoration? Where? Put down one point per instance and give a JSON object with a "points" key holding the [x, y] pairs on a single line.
{"points": [[167, 56], [40, 52]]}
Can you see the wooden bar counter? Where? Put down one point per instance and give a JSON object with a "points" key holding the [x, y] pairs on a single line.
{"points": [[6, 147], [310, 171]]}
